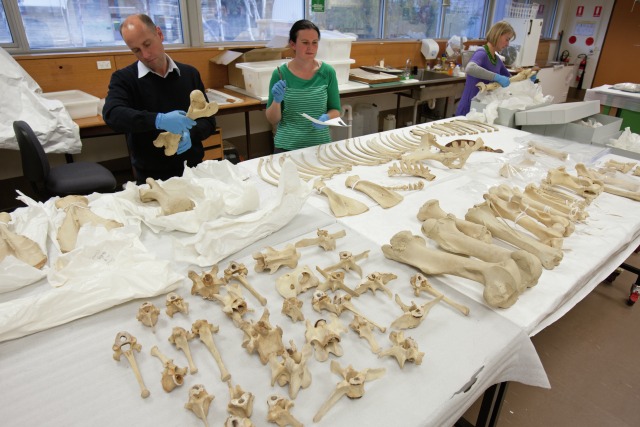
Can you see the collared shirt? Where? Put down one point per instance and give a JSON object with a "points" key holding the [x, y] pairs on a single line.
{"points": [[143, 70]]}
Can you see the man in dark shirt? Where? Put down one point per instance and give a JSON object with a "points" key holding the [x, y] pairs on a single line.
{"points": [[151, 96]]}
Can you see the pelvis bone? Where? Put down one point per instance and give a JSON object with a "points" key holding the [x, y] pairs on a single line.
{"points": [[500, 286]]}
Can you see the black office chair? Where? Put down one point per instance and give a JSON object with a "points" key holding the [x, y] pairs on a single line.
{"points": [[71, 178]]}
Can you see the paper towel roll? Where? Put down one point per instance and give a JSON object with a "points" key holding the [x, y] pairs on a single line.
{"points": [[429, 48]]}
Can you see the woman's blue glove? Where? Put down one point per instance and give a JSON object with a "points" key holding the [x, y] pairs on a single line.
{"points": [[175, 122], [502, 80], [533, 78], [322, 118], [278, 90], [185, 142]]}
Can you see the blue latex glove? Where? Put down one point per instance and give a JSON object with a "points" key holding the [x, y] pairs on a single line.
{"points": [[502, 80], [278, 90], [533, 78], [175, 122], [185, 142], [322, 118]]}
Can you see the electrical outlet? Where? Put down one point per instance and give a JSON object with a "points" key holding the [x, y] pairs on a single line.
{"points": [[104, 65]]}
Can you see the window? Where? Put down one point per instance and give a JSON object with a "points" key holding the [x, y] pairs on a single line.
{"points": [[80, 24], [5, 32], [546, 12], [359, 17], [412, 19], [92, 23], [463, 18], [242, 20]]}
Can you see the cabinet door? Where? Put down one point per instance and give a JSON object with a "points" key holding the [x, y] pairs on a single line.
{"points": [[213, 146]]}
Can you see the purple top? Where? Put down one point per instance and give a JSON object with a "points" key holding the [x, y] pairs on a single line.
{"points": [[481, 58]]}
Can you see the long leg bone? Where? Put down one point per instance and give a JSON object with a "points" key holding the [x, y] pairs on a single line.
{"points": [[352, 385], [125, 344], [419, 284], [180, 338], [500, 286], [432, 209], [199, 402], [172, 376], [204, 330], [534, 147], [548, 256]]}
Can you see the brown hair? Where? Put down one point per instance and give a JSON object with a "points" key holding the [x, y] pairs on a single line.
{"points": [[302, 24], [497, 30]]}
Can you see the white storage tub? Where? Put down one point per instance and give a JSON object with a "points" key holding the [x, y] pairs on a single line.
{"points": [[258, 74], [342, 68], [334, 46], [79, 104]]}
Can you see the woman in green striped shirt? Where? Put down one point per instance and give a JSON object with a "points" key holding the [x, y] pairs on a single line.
{"points": [[303, 85]]}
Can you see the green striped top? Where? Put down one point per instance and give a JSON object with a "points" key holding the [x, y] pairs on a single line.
{"points": [[314, 97]]}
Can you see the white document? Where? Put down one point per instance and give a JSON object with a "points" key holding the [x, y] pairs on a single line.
{"points": [[332, 122]]}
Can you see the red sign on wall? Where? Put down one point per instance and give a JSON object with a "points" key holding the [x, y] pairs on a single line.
{"points": [[580, 11], [597, 11]]}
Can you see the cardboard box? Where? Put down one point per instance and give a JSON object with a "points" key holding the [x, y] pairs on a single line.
{"points": [[79, 104], [558, 113], [506, 116], [231, 58], [576, 131]]}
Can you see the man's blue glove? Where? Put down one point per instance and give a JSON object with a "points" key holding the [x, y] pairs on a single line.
{"points": [[533, 78], [322, 118], [185, 142], [278, 90], [502, 80], [175, 122]]}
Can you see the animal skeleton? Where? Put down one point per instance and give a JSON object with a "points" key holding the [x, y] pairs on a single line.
{"points": [[237, 271], [260, 336], [208, 285], [432, 209], [175, 303], [180, 338], [325, 240], [292, 369], [125, 344], [376, 282], [291, 307], [241, 403], [233, 303], [170, 203], [19, 246], [273, 259], [348, 262], [352, 385], [335, 281], [522, 75], [340, 303], [172, 376], [199, 402], [77, 215], [199, 107], [148, 314], [403, 349], [413, 314], [298, 281], [404, 167], [280, 412], [500, 286], [340, 205], [362, 327], [534, 147], [419, 284], [204, 330], [324, 337]]}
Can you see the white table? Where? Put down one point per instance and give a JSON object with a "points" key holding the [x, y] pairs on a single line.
{"points": [[68, 373], [607, 95]]}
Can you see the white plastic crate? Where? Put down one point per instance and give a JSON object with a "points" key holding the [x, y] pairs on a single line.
{"points": [[342, 69], [334, 46], [258, 74], [79, 104]]}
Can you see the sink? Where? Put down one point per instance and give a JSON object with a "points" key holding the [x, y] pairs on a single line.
{"points": [[426, 75]]}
